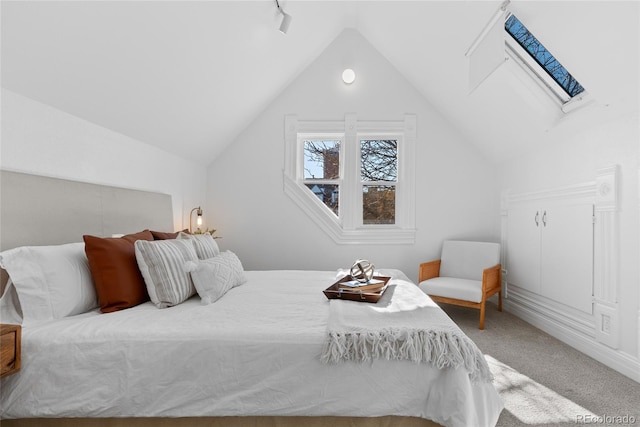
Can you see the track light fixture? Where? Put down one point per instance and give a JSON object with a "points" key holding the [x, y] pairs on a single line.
{"points": [[286, 19]]}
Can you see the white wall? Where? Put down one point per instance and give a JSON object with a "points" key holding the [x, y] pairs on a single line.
{"points": [[42, 140], [457, 189], [575, 161]]}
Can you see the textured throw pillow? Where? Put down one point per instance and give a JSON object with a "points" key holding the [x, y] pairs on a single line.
{"points": [[51, 282], [162, 264], [205, 245], [213, 277], [117, 280]]}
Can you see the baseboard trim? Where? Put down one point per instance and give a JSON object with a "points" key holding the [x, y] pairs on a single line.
{"points": [[617, 360]]}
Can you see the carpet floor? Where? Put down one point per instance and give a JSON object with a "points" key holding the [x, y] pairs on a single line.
{"points": [[543, 381]]}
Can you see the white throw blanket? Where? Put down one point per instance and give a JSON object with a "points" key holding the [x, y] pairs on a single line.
{"points": [[404, 324]]}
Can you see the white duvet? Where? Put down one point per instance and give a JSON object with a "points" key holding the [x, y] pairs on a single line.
{"points": [[256, 351]]}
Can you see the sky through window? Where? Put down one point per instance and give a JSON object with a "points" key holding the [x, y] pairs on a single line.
{"points": [[542, 56]]}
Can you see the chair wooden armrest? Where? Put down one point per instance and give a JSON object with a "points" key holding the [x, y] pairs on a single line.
{"points": [[492, 283], [429, 270], [491, 279]]}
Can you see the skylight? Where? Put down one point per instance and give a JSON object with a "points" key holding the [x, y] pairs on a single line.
{"points": [[544, 59]]}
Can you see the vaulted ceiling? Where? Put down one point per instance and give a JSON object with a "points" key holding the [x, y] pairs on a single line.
{"points": [[189, 76]]}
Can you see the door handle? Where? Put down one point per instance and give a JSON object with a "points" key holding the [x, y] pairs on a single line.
{"points": [[544, 218], [537, 218]]}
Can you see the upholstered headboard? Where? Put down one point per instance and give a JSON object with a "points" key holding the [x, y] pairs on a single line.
{"points": [[38, 210]]}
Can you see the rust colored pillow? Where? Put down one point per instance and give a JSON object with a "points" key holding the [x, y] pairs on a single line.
{"points": [[162, 235], [112, 261]]}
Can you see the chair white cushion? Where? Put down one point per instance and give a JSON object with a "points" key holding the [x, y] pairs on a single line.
{"points": [[467, 260], [452, 287]]}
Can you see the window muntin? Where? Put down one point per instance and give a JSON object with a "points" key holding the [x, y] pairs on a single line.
{"points": [[547, 64]]}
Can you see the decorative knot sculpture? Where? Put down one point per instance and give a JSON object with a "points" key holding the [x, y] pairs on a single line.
{"points": [[362, 271]]}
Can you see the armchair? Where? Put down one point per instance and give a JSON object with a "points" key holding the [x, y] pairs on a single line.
{"points": [[467, 274]]}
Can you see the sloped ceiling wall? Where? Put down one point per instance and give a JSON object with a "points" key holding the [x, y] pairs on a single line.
{"points": [[188, 77], [184, 76], [457, 188], [509, 114]]}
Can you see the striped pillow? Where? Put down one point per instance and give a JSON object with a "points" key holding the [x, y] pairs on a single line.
{"points": [[206, 247], [161, 263]]}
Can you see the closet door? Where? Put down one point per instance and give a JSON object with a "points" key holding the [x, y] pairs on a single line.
{"points": [[523, 247], [567, 255]]}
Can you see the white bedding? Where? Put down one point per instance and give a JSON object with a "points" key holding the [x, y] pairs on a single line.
{"points": [[256, 351]]}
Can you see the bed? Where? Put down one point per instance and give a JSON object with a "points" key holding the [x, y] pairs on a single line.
{"points": [[267, 351]]}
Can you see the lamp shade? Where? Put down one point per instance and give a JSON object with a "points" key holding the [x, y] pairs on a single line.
{"points": [[198, 212]]}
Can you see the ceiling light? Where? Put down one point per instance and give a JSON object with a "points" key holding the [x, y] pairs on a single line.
{"points": [[286, 19], [348, 76]]}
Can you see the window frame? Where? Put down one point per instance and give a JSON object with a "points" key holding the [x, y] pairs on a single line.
{"points": [[348, 227], [538, 73]]}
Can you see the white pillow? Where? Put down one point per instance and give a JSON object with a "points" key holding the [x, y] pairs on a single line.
{"points": [[52, 282], [162, 264], [10, 305], [213, 277], [205, 245]]}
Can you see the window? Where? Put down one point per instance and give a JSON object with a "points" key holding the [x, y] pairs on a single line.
{"points": [[355, 179], [322, 171], [379, 175], [532, 53], [543, 57]]}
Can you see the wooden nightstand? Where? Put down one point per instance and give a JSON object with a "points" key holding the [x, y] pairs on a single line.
{"points": [[9, 349]]}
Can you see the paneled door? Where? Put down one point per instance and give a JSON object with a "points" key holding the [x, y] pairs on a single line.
{"points": [[523, 247], [567, 255]]}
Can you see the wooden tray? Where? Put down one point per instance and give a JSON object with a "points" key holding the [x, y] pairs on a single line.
{"points": [[335, 292]]}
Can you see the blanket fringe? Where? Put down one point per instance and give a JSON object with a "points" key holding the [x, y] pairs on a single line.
{"points": [[442, 349]]}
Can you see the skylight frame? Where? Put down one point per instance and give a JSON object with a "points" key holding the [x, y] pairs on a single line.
{"points": [[539, 73]]}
